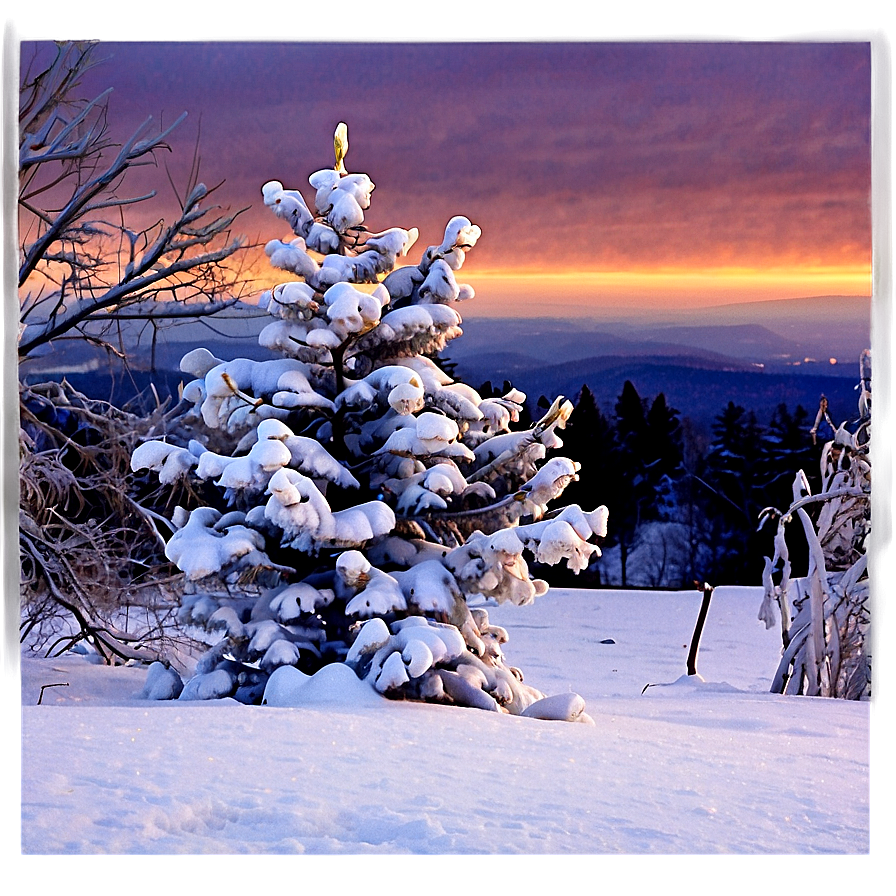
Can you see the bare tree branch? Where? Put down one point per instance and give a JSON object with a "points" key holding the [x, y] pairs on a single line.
{"points": [[89, 535], [78, 264]]}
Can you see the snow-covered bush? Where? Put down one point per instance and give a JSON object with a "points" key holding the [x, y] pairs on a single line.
{"points": [[364, 502], [826, 651]]}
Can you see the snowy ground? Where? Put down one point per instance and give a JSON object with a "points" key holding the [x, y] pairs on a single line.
{"points": [[692, 768]]}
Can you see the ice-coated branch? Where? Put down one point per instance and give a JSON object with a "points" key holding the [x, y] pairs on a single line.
{"points": [[770, 513], [824, 649], [822, 415]]}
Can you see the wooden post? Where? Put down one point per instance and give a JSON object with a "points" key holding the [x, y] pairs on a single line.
{"points": [[698, 628]]}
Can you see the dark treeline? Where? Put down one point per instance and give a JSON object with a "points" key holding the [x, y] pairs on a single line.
{"points": [[684, 503]]}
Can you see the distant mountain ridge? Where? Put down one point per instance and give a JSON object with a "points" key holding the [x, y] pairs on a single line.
{"points": [[783, 332], [803, 307], [757, 354]]}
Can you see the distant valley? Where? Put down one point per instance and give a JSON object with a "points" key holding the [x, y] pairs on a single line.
{"points": [[788, 334], [756, 354]]}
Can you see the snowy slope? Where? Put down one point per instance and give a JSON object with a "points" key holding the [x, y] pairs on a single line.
{"points": [[718, 766]]}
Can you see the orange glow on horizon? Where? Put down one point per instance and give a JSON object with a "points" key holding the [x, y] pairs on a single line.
{"points": [[500, 293], [532, 293]]}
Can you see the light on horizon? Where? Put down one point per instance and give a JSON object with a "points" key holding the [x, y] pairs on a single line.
{"points": [[501, 293]]}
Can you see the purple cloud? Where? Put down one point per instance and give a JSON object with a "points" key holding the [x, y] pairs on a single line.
{"points": [[585, 154]]}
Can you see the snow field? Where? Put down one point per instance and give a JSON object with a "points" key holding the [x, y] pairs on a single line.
{"points": [[689, 767], [406, 782]]}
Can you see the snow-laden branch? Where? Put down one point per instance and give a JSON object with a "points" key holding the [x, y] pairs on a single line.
{"points": [[168, 311], [39, 148]]}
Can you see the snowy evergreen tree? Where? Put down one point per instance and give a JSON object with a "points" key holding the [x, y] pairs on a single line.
{"points": [[361, 506], [824, 614], [733, 477], [664, 455], [788, 446], [632, 483], [589, 434]]}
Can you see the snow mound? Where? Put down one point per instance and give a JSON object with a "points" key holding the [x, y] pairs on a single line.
{"points": [[210, 686], [559, 708], [162, 683], [283, 685], [333, 684], [692, 684], [337, 683]]}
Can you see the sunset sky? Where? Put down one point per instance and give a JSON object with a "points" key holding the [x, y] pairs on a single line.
{"points": [[603, 175]]}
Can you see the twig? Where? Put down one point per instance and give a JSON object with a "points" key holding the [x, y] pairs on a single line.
{"points": [[43, 687]]}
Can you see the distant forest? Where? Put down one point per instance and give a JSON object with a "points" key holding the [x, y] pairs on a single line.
{"points": [[685, 502]]}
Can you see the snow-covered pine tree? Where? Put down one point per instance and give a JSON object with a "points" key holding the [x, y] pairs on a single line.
{"points": [[358, 497], [826, 651], [732, 476]]}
